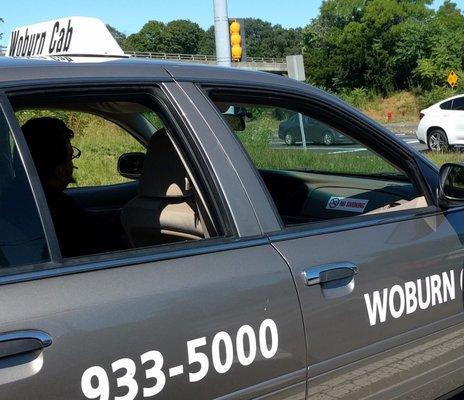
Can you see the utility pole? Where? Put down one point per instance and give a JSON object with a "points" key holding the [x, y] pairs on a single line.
{"points": [[221, 32]]}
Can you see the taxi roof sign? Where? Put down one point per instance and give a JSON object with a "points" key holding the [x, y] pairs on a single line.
{"points": [[70, 37]]}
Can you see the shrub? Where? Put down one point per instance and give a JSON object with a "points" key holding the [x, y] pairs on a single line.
{"points": [[435, 95]]}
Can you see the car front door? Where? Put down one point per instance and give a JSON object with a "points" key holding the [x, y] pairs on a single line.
{"points": [[218, 318], [381, 294]]}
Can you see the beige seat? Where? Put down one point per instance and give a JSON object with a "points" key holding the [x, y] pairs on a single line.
{"points": [[164, 211]]}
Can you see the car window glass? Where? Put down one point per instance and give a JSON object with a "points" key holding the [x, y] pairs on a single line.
{"points": [[23, 240], [458, 104], [274, 137], [99, 141], [447, 105], [315, 172]]}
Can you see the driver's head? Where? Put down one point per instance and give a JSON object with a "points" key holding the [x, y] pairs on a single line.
{"points": [[49, 141]]}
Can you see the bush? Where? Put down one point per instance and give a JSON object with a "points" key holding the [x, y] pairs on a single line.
{"points": [[359, 97], [436, 94]]}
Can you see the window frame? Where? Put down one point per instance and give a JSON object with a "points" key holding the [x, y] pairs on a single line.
{"points": [[343, 118], [34, 183], [197, 168]]}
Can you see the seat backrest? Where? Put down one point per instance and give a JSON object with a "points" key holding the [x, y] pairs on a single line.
{"points": [[164, 210]]}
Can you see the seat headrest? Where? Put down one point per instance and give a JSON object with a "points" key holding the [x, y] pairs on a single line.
{"points": [[163, 173]]}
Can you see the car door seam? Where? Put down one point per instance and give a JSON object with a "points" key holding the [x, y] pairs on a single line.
{"points": [[305, 332]]}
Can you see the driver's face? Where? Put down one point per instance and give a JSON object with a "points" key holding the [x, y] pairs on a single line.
{"points": [[64, 172]]}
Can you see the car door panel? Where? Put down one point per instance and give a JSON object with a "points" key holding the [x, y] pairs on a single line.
{"points": [[96, 318], [392, 257]]}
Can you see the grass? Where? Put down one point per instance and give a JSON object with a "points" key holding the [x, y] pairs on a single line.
{"points": [[403, 106], [100, 141], [445, 157]]}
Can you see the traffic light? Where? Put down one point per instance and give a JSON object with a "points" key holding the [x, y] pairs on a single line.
{"points": [[237, 40]]}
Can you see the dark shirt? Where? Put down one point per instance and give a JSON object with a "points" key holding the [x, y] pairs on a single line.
{"points": [[79, 232]]}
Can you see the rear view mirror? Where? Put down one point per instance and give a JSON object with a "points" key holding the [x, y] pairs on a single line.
{"points": [[236, 122], [130, 165], [451, 185]]}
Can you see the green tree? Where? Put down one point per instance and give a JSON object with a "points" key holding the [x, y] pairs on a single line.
{"points": [[374, 44], [446, 38], [183, 36], [263, 39], [150, 38], [179, 36], [207, 44]]}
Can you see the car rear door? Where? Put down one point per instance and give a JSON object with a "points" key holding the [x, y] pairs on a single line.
{"points": [[381, 295], [219, 318]]}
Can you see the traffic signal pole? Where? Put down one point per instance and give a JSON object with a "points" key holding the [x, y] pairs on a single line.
{"points": [[221, 32]]}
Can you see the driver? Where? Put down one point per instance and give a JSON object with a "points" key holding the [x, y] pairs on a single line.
{"points": [[78, 231]]}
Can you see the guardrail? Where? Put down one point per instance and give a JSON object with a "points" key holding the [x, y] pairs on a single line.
{"points": [[258, 63], [200, 57]]}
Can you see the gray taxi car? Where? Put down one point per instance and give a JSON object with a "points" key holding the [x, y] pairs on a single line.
{"points": [[252, 270]]}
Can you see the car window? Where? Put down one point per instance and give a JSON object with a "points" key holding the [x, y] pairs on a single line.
{"points": [[447, 105], [79, 155], [99, 141], [458, 103], [313, 171], [23, 240]]}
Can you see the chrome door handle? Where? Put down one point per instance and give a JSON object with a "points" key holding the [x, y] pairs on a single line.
{"points": [[19, 342], [329, 272]]}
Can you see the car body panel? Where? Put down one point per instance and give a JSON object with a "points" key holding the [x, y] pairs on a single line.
{"points": [[124, 305], [96, 318]]}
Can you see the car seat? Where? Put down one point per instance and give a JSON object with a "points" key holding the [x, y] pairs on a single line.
{"points": [[164, 211]]}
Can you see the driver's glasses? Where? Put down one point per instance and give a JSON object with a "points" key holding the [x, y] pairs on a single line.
{"points": [[76, 153]]}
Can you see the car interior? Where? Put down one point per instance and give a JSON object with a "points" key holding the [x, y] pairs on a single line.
{"points": [[160, 203]]}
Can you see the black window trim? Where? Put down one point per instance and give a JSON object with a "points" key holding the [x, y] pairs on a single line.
{"points": [[59, 266], [314, 102]]}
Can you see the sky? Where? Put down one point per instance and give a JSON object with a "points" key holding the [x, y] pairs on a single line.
{"points": [[129, 16]]}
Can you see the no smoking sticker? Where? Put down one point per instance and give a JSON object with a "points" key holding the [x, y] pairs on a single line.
{"points": [[347, 204]]}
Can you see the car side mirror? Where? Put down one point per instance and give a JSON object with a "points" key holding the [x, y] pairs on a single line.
{"points": [[130, 165], [451, 185], [236, 122]]}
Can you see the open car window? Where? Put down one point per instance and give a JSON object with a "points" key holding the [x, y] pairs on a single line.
{"points": [[313, 171], [83, 151]]}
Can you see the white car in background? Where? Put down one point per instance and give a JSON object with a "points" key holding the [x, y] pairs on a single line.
{"points": [[441, 126]]}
